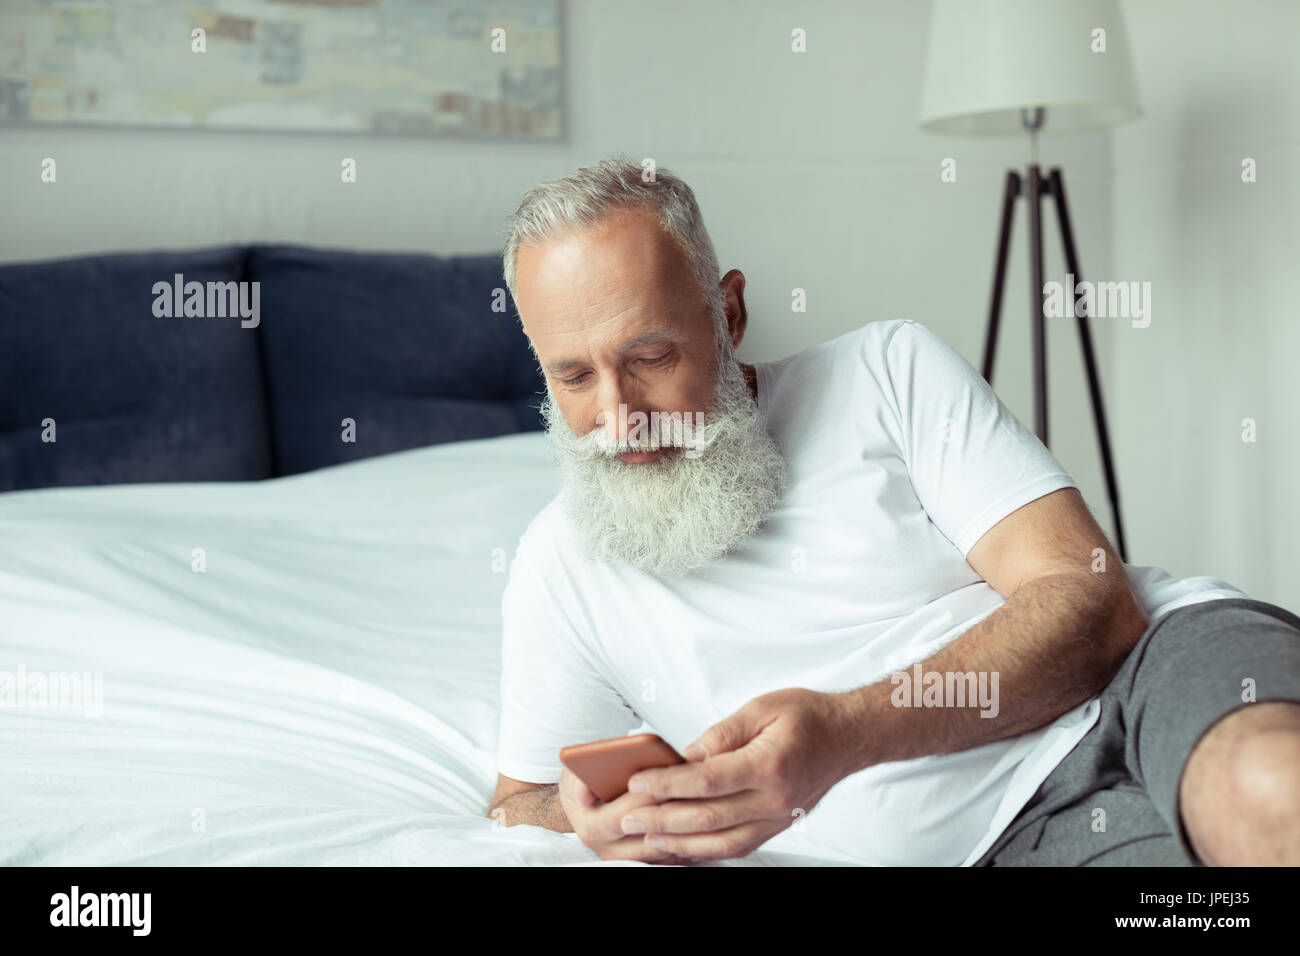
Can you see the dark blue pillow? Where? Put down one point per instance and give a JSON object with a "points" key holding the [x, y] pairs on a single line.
{"points": [[134, 397], [407, 346]]}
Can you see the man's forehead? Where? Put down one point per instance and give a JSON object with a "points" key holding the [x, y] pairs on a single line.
{"points": [[599, 289]]}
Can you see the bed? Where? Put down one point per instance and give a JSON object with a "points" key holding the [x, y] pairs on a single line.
{"points": [[300, 670]]}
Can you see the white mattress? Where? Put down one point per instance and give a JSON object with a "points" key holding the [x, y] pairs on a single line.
{"points": [[324, 693]]}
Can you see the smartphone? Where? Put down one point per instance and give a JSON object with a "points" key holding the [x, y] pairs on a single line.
{"points": [[606, 766]]}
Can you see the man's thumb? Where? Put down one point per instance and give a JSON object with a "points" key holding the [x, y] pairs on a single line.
{"points": [[725, 735]]}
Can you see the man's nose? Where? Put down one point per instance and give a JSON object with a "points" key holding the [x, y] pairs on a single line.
{"points": [[618, 401]]}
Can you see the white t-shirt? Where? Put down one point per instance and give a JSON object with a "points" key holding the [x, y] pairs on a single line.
{"points": [[901, 458]]}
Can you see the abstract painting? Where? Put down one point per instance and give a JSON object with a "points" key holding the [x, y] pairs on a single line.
{"points": [[489, 68]]}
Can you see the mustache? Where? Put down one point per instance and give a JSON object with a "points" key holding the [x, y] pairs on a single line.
{"points": [[691, 433]]}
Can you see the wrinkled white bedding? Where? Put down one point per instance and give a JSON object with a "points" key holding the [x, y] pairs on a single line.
{"points": [[324, 692]]}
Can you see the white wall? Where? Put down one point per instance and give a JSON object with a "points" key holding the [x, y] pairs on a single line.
{"points": [[1221, 82], [809, 168], [812, 173]]}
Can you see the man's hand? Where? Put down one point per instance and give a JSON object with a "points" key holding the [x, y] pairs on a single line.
{"points": [[776, 756], [597, 823]]}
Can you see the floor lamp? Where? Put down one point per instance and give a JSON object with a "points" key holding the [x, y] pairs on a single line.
{"points": [[1025, 68]]}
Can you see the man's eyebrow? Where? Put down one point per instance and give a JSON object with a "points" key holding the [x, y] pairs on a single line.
{"points": [[645, 338]]}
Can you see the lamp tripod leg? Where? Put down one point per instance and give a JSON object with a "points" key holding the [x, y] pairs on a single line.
{"points": [[1037, 326], [1057, 188], [1009, 194]]}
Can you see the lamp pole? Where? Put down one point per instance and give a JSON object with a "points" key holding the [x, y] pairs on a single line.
{"points": [[1034, 187]]}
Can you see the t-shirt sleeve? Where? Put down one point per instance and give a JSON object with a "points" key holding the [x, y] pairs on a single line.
{"points": [[971, 461], [551, 696]]}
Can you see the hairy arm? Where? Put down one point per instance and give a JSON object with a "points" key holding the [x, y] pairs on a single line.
{"points": [[538, 807], [1069, 620]]}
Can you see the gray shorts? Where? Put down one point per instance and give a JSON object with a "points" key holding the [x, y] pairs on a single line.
{"points": [[1185, 673]]}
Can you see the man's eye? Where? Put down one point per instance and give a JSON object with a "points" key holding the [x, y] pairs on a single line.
{"points": [[651, 360]]}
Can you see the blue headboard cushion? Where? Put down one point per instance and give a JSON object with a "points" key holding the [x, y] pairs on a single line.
{"points": [[407, 346], [133, 397]]}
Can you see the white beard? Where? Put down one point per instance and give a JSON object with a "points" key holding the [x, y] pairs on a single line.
{"points": [[683, 509]]}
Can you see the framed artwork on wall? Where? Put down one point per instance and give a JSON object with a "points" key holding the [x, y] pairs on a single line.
{"points": [[468, 68]]}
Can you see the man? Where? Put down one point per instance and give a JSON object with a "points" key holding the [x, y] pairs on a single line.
{"points": [[873, 602]]}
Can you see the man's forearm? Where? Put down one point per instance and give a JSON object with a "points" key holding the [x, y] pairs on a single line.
{"points": [[538, 808], [1054, 643]]}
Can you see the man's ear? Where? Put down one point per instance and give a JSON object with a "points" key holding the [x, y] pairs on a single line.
{"points": [[733, 302]]}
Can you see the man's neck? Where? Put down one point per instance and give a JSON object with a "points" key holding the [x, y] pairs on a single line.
{"points": [[751, 379]]}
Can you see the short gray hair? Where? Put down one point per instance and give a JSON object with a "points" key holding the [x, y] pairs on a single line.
{"points": [[591, 194]]}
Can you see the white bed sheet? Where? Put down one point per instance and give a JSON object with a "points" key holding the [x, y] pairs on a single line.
{"points": [[324, 693]]}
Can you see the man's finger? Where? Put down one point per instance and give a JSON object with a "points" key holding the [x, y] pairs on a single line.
{"points": [[727, 735], [716, 777], [721, 845], [634, 848], [696, 816], [572, 788]]}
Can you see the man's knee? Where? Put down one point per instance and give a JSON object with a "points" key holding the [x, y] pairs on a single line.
{"points": [[1240, 794]]}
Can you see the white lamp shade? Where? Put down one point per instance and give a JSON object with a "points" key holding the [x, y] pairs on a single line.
{"points": [[989, 59]]}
